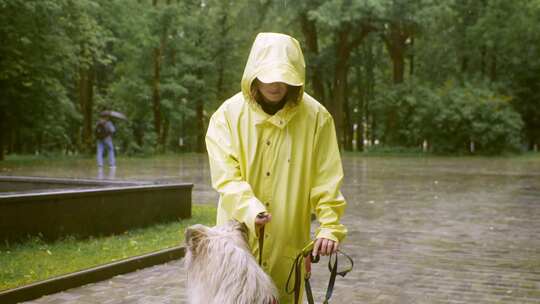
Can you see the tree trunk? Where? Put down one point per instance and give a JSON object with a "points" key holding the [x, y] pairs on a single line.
{"points": [[464, 64], [165, 133], [9, 138], [138, 132], [156, 81], [309, 30], [17, 146], [262, 8], [156, 96], [411, 58], [339, 85], [395, 44], [200, 127], [2, 131], [399, 66], [86, 102], [370, 90], [348, 128], [363, 90], [220, 81], [40, 142], [359, 135], [493, 69], [345, 45], [222, 59], [483, 61]]}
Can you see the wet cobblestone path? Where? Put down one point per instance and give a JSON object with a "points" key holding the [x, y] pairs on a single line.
{"points": [[421, 230]]}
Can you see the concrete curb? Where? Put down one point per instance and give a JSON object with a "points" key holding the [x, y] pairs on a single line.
{"points": [[91, 275]]}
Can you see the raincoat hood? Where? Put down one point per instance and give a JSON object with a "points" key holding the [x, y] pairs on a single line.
{"points": [[274, 58]]}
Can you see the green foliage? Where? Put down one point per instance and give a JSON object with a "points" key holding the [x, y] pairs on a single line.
{"points": [[34, 51], [449, 118], [50, 46], [477, 114]]}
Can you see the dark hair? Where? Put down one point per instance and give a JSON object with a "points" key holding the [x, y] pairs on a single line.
{"points": [[292, 92]]}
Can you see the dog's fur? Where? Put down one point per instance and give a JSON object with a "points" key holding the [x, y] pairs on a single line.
{"points": [[221, 269]]}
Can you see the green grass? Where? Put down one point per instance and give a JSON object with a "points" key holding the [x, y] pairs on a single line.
{"points": [[35, 260]]}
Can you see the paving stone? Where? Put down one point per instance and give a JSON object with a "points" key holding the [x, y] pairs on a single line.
{"points": [[436, 230]]}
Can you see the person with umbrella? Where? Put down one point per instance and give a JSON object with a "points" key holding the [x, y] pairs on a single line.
{"points": [[104, 132]]}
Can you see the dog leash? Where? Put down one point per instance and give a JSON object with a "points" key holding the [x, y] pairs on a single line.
{"points": [[261, 244], [297, 269], [261, 238]]}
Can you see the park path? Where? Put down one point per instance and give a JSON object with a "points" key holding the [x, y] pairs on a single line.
{"points": [[421, 230]]}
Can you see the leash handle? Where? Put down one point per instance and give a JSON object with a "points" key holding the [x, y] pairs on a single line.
{"points": [[332, 267], [309, 294], [261, 236], [296, 269], [344, 272], [332, 280]]}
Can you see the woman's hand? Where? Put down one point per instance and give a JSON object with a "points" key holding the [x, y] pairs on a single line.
{"points": [[324, 247], [261, 220]]}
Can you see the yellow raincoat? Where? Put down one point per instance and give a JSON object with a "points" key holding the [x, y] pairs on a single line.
{"points": [[287, 164]]}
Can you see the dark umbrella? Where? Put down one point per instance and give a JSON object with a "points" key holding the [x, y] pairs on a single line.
{"points": [[114, 114]]}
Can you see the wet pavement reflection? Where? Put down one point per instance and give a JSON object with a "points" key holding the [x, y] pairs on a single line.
{"points": [[421, 230], [442, 230]]}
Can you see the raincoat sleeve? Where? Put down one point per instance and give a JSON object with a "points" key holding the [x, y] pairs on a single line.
{"points": [[326, 200], [236, 196]]}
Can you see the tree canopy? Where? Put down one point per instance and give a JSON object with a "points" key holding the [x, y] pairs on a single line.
{"points": [[455, 76]]}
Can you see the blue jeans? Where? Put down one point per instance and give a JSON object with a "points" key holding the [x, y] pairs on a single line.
{"points": [[101, 145]]}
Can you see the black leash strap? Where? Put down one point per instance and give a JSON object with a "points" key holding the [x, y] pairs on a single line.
{"points": [[333, 268], [307, 284], [261, 244], [309, 295], [297, 269]]}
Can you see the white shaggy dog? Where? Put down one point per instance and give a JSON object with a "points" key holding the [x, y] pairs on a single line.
{"points": [[221, 269]]}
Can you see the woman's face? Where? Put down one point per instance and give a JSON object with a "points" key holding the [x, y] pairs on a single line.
{"points": [[272, 92]]}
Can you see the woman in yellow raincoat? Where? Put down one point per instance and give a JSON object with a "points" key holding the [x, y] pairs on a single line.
{"points": [[273, 152]]}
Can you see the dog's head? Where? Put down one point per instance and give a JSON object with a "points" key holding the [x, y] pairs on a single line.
{"points": [[220, 267], [198, 237]]}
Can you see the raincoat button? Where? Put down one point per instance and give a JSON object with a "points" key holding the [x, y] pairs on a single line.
{"points": [[267, 204], [267, 173], [268, 142]]}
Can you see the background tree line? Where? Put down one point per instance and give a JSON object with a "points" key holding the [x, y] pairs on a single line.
{"points": [[450, 75]]}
